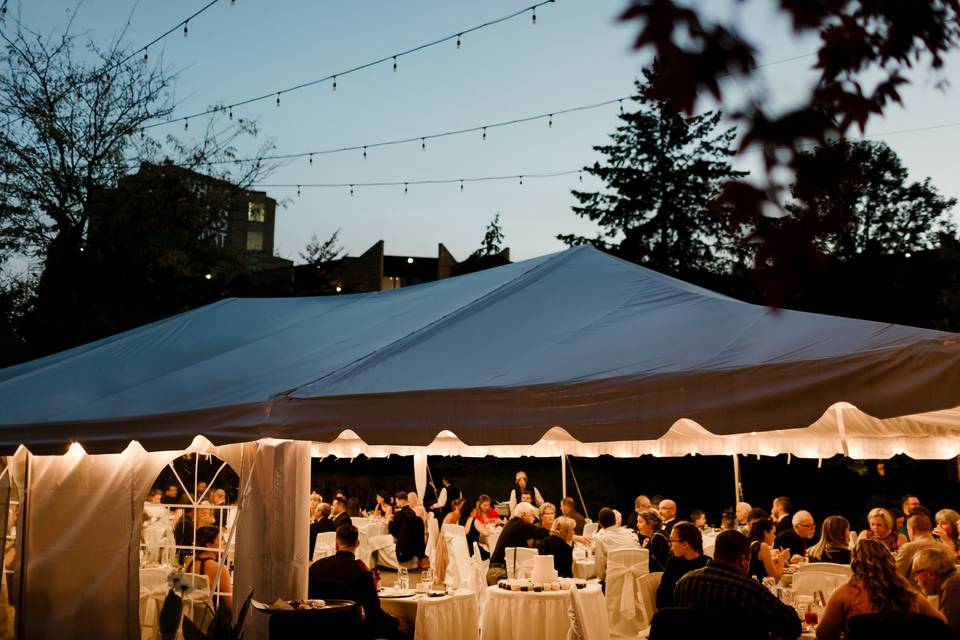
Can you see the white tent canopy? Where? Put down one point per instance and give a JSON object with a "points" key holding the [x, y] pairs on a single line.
{"points": [[604, 350]]}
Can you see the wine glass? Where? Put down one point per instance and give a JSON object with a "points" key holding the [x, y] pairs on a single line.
{"points": [[403, 579]]}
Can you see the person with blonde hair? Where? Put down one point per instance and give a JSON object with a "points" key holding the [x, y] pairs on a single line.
{"points": [[558, 545], [881, 528], [948, 529], [834, 544], [875, 586], [548, 515]]}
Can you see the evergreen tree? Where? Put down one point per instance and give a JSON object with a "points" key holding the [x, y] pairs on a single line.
{"points": [[661, 173]]}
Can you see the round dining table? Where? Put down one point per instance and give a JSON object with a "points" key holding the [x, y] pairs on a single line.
{"points": [[453, 616], [529, 615]]}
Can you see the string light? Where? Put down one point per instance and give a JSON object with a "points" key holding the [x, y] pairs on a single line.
{"points": [[186, 125], [461, 185], [146, 56], [534, 15], [621, 106], [481, 128], [580, 177], [423, 143], [550, 121], [185, 30], [298, 191], [406, 183], [278, 99], [458, 40], [351, 189], [521, 181], [333, 77], [230, 112], [364, 153], [311, 160], [394, 64]]}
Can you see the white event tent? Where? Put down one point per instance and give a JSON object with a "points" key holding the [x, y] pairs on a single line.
{"points": [[571, 353]]}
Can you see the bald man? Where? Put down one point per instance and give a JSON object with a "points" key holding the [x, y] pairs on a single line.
{"points": [[668, 512], [800, 537]]}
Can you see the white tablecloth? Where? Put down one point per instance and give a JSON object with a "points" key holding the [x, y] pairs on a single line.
{"points": [[526, 615], [454, 616]]}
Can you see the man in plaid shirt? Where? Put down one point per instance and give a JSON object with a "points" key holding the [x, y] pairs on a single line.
{"points": [[724, 587]]}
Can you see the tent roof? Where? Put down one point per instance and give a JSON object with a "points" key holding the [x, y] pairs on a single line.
{"points": [[605, 349]]}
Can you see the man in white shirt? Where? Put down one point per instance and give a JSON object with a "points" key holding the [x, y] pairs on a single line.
{"points": [[613, 537]]}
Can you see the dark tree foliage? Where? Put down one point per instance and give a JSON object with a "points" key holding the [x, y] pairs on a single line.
{"points": [[864, 47], [661, 172], [856, 199], [490, 254]]}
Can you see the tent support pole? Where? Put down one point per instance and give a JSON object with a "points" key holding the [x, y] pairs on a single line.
{"points": [[563, 474], [737, 488]]}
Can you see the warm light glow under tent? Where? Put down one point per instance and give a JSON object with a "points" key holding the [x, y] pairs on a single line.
{"points": [[603, 349]]}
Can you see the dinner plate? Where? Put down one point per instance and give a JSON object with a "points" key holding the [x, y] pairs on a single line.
{"points": [[329, 606], [397, 593]]}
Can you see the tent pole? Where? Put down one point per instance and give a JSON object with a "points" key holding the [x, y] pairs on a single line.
{"points": [[563, 474], [737, 489]]}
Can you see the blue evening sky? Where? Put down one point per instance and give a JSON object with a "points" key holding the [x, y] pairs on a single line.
{"points": [[576, 54]]}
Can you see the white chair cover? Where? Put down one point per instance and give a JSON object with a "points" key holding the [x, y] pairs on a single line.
{"points": [[708, 547], [624, 566], [433, 534], [519, 561], [590, 529], [479, 574], [360, 523], [814, 577], [325, 545], [583, 626], [459, 570], [647, 586]]}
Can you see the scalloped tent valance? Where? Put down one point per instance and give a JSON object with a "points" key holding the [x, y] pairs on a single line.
{"points": [[574, 352]]}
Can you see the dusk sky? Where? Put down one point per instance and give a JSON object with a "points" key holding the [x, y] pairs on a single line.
{"points": [[576, 54]]}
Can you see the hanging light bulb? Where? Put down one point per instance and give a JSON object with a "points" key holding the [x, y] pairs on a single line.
{"points": [[581, 176], [521, 181], [278, 98], [298, 191], [364, 153], [550, 121], [230, 112], [394, 63], [186, 123], [310, 162], [534, 15], [146, 57], [142, 134], [620, 102], [484, 134], [423, 143], [185, 29], [334, 83], [404, 188], [461, 185], [351, 189], [458, 40]]}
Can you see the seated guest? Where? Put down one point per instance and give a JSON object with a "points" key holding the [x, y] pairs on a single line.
{"points": [[834, 544], [344, 568], [780, 513], [728, 522], [518, 532], [453, 517], [741, 511], [947, 530], [899, 521], [698, 519], [558, 545], [408, 530], [413, 501], [763, 562], [723, 585], [205, 562], [641, 503], [798, 538], [485, 514], [668, 513], [921, 537], [324, 523], [874, 586], [686, 545], [473, 527], [613, 537], [524, 484], [338, 513], [383, 508], [651, 537], [548, 514], [353, 507], [936, 572], [568, 508], [757, 513], [881, 528]]}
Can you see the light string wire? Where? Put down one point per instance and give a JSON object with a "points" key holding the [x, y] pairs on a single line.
{"points": [[333, 76]]}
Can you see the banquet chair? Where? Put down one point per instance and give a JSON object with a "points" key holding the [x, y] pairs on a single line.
{"points": [[708, 547], [624, 566], [590, 529], [325, 545], [582, 625], [433, 535], [647, 586], [519, 561], [479, 575], [153, 590], [459, 570], [820, 576], [360, 523]]}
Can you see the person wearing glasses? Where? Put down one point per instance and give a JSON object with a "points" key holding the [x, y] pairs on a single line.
{"points": [[936, 573], [798, 538], [686, 548]]}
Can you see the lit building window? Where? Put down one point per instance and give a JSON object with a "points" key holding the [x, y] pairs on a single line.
{"points": [[256, 212], [254, 240]]}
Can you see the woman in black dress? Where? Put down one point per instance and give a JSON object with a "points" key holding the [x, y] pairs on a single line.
{"points": [[558, 545]]}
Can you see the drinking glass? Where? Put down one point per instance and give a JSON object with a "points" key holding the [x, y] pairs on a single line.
{"points": [[427, 576], [403, 579]]}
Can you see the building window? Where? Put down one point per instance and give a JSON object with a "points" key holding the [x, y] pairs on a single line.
{"points": [[194, 498], [254, 240], [256, 212]]}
